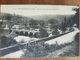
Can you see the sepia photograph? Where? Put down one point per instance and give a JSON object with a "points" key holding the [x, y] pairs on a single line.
{"points": [[46, 31]]}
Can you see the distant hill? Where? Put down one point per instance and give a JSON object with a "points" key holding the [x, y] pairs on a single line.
{"points": [[39, 17], [48, 17], [24, 20], [6, 15]]}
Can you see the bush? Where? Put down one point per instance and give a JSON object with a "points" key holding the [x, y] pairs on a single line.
{"points": [[5, 41], [55, 32], [21, 33], [43, 33], [26, 33]]}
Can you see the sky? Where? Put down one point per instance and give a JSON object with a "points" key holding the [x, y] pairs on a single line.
{"points": [[32, 10]]}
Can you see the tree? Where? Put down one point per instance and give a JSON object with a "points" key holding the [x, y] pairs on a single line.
{"points": [[53, 21], [64, 25], [6, 16], [30, 34], [43, 33], [55, 32], [33, 23], [26, 33], [42, 23], [21, 33], [76, 18], [6, 41]]}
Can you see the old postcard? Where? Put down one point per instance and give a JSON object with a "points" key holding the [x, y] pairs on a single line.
{"points": [[39, 31]]}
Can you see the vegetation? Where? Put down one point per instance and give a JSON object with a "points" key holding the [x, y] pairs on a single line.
{"points": [[37, 49], [25, 21], [42, 50], [6, 41]]}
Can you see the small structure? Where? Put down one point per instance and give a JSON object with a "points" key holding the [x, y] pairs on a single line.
{"points": [[6, 27], [60, 32], [15, 27]]}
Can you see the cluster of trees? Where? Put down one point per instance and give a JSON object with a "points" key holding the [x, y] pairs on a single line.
{"points": [[42, 33], [52, 23], [6, 41], [42, 49], [17, 19]]}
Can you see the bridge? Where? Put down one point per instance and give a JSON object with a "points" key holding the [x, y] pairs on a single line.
{"points": [[14, 48]]}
